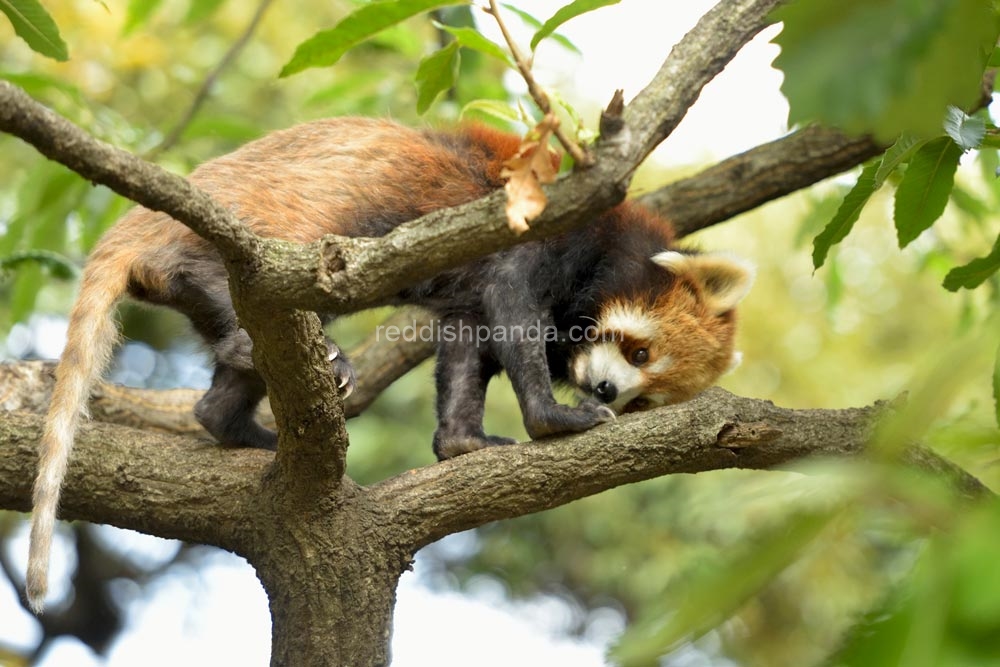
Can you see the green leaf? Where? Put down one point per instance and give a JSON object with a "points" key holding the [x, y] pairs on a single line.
{"points": [[55, 263], [138, 12], [883, 66], [872, 178], [201, 10], [974, 273], [996, 387], [923, 192], [435, 75], [473, 39], [34, 25], [713, 593], [24, 292], [994, 60], [897, 154], [535, 24], [848, 213], [967, 131], [493, 109], [326, 47], [570, 11], [906, 629]]}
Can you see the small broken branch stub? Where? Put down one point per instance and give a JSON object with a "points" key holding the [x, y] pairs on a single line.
{"points": [[736, 435]]}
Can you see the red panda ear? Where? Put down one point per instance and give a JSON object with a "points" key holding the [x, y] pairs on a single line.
{"points": [[724, 279]]}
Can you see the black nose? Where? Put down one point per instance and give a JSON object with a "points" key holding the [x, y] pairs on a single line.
{"points": [[605, 391]]}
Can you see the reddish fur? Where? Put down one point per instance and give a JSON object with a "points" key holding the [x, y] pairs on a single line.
{"points": [[632, 216]]}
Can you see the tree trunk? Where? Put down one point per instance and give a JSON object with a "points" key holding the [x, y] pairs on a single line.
{"points": [[330, 571]]}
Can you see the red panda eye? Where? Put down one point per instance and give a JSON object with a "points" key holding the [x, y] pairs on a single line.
{"points": [[640, 356]]}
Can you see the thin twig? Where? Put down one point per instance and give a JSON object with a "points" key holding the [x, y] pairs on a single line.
{"points": [[580, 156], [206, 87]]}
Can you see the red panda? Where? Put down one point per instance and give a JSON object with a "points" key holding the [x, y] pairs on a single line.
{"points": [[617, 310]]}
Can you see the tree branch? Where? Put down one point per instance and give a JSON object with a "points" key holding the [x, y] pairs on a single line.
{"points": [[158, 484], [715, 430], [130, 176], [694, 61], [757, 176], [26, 386]]}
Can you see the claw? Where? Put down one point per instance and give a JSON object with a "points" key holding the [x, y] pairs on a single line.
{"points": [[332, 354], [348, 391]]}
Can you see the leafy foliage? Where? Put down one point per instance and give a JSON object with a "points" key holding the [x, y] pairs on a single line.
{"points": [[848, 213], [923, 192], [946, 612], [436, 74], [883, 66], [34, 25], [716, 590], [844, 68], [570, 11], [974, 273], [326, 47]]}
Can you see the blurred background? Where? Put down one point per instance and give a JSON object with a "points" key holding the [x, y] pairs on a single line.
{"points": [[554, 588]]}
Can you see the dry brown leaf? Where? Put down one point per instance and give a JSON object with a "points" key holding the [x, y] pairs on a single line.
{"points": [[526, 172]]}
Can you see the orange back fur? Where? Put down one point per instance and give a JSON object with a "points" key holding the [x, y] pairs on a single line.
{"points": [[324, 177]]}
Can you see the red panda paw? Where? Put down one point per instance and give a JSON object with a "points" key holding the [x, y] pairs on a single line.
{"points": [[557, 418], [450, 446], [343, 370]]}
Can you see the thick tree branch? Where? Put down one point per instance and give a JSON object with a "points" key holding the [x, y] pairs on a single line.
{"points": [[716, 430], [162, 485], [27, 386], [767, 172]]}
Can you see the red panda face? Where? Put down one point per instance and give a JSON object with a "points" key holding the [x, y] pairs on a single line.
{"points": [[665, 348]]}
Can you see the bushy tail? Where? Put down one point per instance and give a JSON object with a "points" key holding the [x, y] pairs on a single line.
{"points": [[90, 340]]}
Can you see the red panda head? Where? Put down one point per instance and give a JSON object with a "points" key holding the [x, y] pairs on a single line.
{"points": [[666, 346]]}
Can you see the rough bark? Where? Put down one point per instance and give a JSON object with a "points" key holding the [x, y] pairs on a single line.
{"points": [[328, 552], [757, 176]]}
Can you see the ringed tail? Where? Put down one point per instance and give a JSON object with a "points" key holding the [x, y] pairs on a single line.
{"points": [[91, 338]]}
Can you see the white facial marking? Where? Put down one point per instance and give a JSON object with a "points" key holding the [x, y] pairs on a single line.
{"points": [[604, 362], [629, 321]]}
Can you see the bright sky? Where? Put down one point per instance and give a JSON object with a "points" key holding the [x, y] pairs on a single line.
{"points": [[218, 615]]}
